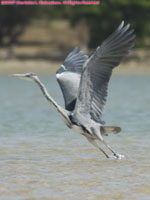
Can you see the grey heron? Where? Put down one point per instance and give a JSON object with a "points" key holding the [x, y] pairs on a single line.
{"points": [[84, 82]]}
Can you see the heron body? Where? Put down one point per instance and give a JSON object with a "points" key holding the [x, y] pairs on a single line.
{"points": [[84, 82]]}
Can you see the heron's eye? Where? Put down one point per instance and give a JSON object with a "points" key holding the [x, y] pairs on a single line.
{"points": [[32, 74]]}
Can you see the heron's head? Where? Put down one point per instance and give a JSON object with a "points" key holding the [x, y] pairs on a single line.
{"points": [[28, 76]]}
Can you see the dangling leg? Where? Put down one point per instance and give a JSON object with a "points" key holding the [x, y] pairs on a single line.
{"points": [[119, 156], [96, 145], [99, 137]]}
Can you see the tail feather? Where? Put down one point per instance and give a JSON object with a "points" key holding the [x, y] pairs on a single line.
{"points": [[105, 130]]}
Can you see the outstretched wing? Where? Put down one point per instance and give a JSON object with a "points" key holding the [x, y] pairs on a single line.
{"points": [[68, 76], [97, 71]]}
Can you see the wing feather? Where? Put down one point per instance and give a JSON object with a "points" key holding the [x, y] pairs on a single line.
{"points": [[68, 76], [92, 92]]}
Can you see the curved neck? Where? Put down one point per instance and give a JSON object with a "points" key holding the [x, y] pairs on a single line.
{"points": [[64, 113], [45, 92]]}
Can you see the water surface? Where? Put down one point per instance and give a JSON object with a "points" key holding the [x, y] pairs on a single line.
{"points": [[40, 158]]}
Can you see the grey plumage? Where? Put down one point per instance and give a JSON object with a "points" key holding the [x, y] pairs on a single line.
{"points": [[84, 83], [97, 71], [68, 76]]}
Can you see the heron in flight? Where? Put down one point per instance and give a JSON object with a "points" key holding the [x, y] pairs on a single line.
{"points": [[84, 82]]}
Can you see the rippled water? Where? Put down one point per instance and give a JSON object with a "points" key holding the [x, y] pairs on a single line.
{"points": [[40, 158]]}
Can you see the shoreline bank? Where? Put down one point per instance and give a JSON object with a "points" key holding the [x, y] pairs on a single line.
{"points": [[50, 67]]}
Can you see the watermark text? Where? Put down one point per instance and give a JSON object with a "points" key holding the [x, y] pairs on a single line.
{"points": [[50, 3]]}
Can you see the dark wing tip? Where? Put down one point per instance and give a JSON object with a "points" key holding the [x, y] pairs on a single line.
{"points": [[74, 61]]}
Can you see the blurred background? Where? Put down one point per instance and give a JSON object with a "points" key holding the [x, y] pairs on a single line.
{"points": [[33, 37], [40, 158]]}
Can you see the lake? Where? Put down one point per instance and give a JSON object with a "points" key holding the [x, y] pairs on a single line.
{"points": [[41, 159]]}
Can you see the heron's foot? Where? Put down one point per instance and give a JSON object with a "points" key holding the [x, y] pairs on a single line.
{"points": [[118, 156]]}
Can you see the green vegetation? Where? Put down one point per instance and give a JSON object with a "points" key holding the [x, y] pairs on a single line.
{"points": [[110, 13], [13, 20], [100, 19]]}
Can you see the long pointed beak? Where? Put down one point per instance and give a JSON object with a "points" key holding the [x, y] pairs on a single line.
{"points": [[17, 75], [22, 76]]}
